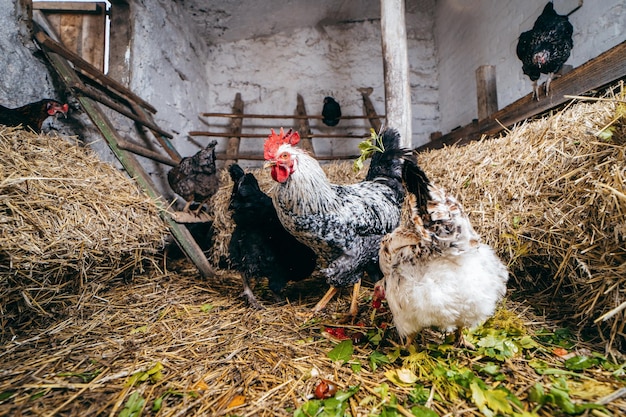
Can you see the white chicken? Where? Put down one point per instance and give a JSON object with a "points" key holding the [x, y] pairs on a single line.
{"points": [[436, 271]]}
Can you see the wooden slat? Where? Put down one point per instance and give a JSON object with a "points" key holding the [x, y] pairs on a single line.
{"points": [[607, 68], [264, 135], [232, 148], [259, 157], [280, 116], [304, 128], [486, 91], [65, 6], [90, 70], [370, 111]]}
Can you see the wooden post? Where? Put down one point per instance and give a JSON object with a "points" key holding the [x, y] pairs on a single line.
{"points": [[368, 108], [232, 148], [486, 91], [304, 127], [396, 69]]}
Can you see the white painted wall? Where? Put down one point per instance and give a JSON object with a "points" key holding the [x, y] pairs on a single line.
{"points": [[315, 62], [471, 33]]}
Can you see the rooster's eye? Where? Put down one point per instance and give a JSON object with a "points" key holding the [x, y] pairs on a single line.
{"points": [[284, 156]]}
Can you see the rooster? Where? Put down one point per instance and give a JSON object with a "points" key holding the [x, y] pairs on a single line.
{"points": [[32, 116], [545, 48], [343, 224], [195, 178], [331, 112], [260, 246], [436, 271]]}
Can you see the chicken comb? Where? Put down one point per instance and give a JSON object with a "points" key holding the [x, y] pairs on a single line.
{"points": [[274, 141]]}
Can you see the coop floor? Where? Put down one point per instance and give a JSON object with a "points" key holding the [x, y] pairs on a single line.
{"points": [[172, 344]]}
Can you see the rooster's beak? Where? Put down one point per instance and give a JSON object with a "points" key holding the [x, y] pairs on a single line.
{"points": [[269, 164]]}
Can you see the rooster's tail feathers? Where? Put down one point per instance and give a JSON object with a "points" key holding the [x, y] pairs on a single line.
{"points": [[416, 181]]}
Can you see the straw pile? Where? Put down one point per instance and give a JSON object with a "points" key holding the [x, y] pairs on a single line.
{"points": [[549, 195], [66, 219]]}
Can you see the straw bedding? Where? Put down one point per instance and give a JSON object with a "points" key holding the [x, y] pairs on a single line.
{"points": [[66, 220], [549, 196]]}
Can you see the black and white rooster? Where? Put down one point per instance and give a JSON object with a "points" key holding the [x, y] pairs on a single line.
{"points": [[343, 224]]}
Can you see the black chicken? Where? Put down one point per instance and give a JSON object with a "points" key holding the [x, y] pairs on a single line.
{"points": [[194, 178], [545, 48], [260, 246], [331, 112], [32, 115]]}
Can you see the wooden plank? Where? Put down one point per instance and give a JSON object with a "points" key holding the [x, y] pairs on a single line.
{"points": [[93, 38], [259, 157], [102, 98], [486, 91], [304, 128], [232, 148], [70, 32], [280, 116], [396, 68], [89, 70], [603, 70], [369, 110], [264, 135], [132, 166], [65, 6]]}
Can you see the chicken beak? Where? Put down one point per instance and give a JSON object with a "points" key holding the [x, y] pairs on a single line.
{"points": [[269, 164]]}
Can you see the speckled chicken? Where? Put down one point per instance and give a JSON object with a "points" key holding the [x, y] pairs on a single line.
{"points": [[343, 224], [260, 246], [545, 48], [194, 178], [437, 273]]}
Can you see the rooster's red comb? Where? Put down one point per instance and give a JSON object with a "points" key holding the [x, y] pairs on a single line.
{"points": [[275, 140]]}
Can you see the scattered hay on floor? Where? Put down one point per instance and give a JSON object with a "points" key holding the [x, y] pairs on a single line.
{"points": [[66, 219]]}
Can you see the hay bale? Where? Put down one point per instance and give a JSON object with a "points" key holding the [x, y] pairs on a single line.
{"points": [[66, 219], [549, 195]]}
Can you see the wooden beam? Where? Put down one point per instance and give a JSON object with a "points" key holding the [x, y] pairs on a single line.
{"points": [[66, 6], [304, 128], [89, 70], [486, 91], [232, 148], [601, 71], [280, 116], [369, 110], [396, 69], [264, 135], [259, 157]]}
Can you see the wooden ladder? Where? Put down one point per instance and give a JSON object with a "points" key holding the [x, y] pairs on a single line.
{"points": [[70, 68]]}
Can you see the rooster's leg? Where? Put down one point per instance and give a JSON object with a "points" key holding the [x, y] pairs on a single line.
{"points": [[354, 304], [325, 299], [186, 208], [535, 90]]}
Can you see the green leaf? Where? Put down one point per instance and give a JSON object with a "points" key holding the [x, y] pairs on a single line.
{"points": [[377, 358], [5, 395], [142, 329], [342, 352], [158, 403], [420, 411], [344, 395], [133, 406], [356, 367], [537, 394], [205, 308], [580, 363]]}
